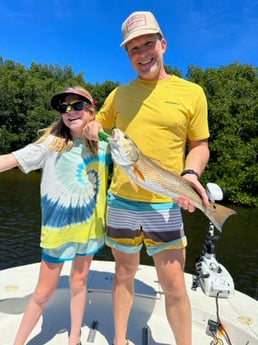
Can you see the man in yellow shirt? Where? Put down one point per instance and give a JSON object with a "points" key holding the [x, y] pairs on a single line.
{"points": [[162, 114]]}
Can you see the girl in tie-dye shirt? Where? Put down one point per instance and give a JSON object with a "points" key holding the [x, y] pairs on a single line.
{"points": [[73, 203]]}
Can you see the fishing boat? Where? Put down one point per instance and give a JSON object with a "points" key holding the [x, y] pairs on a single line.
{"points": [[231, 318], [221, 315]]}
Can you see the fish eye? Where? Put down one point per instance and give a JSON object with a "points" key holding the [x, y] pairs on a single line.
{"points": [[126, 136]]}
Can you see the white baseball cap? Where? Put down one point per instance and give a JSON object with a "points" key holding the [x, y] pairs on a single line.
{"points": [[139, 23]]}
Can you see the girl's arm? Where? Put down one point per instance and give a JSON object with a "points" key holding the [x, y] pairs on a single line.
{"points": [[8, 162]]}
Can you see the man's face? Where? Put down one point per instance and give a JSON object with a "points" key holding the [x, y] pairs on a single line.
{"points": [[146, 55]]}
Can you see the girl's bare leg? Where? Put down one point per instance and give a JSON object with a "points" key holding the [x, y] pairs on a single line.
{"points": [[48, 278], [78, 285]]}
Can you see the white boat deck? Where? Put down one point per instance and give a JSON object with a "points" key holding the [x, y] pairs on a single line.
{"points": [[147, 325]]}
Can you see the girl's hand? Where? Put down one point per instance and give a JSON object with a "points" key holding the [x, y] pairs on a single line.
{"points": [[91, 130]]}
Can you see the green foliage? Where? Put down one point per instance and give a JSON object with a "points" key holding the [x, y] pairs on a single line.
{"points": [[233, 116], [100, 91], [25, 95], [173, 70]]}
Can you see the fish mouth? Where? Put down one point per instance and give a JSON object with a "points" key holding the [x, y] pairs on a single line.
{"points": [[120, 138], [116, 135]]}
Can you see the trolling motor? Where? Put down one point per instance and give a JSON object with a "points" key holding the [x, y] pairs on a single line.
{"points": [[214, 278]]}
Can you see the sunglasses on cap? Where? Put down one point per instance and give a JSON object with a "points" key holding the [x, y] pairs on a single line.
{"points": [[75, 105]]}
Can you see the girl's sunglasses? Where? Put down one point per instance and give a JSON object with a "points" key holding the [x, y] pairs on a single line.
{"points": [[76, 105]]}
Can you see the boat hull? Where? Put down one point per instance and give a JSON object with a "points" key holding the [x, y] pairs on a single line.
{"points": [[147, 324]]}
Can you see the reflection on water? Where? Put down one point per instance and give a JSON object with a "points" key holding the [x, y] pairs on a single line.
{"points": [[236, 248]]}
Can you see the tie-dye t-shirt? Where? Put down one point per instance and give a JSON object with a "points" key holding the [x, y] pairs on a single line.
{"points": [[73, 190]]}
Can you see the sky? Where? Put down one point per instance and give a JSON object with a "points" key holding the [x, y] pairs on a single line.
{"points": [[86, 35]]}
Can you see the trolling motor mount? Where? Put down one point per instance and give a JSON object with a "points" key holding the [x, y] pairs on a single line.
{"points": [[214, 278]]}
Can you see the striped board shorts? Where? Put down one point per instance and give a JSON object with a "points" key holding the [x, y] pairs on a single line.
{"points": [[131, 223]]}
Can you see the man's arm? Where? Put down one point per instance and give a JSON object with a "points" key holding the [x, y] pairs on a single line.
{"points": [[198, 156], [196, 160]]}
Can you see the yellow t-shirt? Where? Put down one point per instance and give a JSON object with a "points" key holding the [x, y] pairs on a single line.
{"points": [[159, 116]]}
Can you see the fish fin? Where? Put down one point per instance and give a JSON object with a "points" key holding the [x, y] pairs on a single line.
{"points": [[134, 185], [138, 173], [218, 214]]}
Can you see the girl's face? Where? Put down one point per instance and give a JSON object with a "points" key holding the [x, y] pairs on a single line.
{"points": [[75, 119], [146, 56]]}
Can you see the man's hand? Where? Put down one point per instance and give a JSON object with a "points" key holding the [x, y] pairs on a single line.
{"points": [[185, 202]]}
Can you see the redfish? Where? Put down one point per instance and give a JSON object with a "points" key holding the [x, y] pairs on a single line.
{"points": [[143, 171]]}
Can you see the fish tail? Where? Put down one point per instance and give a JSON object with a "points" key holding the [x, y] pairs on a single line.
{"points": [[218, 214]]}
